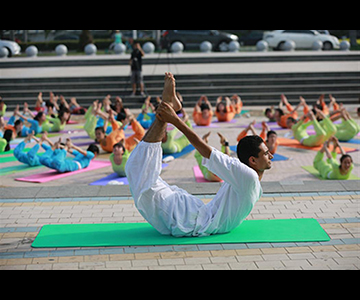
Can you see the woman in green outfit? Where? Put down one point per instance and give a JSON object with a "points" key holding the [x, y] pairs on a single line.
{"points": [[119, 158], [170, 145], [5, 141], [56, 124], [331, 169], [323, 130], [348, 129], [209, 176]]}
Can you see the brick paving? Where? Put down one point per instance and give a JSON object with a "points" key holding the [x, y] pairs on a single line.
{"points": [[21, 220]]}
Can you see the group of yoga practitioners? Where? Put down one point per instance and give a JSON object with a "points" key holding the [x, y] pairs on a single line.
{"points": [[170, 210], [106, 122]]}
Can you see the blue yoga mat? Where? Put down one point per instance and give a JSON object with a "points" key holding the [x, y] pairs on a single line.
{"points": [[186, 151], [353, 141]]}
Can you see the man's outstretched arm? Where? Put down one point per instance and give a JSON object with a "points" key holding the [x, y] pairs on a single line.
{"points": [[167, 114]]}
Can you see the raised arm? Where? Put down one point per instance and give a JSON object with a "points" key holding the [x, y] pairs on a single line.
{"points": [[166, 113], [70, 146]]}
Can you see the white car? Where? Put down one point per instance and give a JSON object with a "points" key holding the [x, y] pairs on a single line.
{"points": [[13, 48], [304, 39]]}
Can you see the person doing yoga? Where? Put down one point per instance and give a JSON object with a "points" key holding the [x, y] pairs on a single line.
{"points": [[29, 158], [170, 145], [331, 169], [348, 129], [203, 112], [173, 211], [282, 117], [225, 110], [270, 138], [107, 142], [55, 157], [323, 130], [209, 176]]}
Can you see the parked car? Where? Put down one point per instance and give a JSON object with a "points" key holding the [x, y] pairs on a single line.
{"points": [[13, 48], [304, 39], [251, 39], [192, 39], [67, 37]]}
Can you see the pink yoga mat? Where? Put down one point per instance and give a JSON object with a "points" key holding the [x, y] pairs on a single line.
{"points": [[199, 175], [54, 175]]}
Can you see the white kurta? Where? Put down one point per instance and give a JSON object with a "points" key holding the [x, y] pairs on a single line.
{"points": [[173, 211]]}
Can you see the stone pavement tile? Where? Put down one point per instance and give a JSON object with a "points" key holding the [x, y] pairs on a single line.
{"points": [[300, 264], [189, 268], [197, 261], [297, 256], [322, 264], [243, 266], [268, 251], [216, 267], [270, 265]]}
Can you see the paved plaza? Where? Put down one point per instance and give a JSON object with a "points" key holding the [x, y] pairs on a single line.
{"points": [[290, 192]]}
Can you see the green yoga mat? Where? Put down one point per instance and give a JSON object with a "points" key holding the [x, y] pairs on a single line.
{"points": [[17, 169], [141, 234], [6, 159], [316, 173], [12, 152]]}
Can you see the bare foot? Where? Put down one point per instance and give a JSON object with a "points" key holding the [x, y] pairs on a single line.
{"points": [[206, 137], [169, 94]]}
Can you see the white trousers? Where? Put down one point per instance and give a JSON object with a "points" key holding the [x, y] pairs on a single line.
{"points": [[169, 209]]}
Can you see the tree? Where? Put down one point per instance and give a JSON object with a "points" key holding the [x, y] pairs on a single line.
{"points": [[353, 37], [85, 39]]}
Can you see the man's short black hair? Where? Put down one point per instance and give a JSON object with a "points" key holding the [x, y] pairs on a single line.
{"points": [[248, 147]]}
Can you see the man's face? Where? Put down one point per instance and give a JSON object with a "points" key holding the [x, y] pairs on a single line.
{"points": [[263, 163]]}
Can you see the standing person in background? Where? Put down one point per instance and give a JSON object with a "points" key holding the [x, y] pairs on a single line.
{"points": [[136, 69], [118, 37]]}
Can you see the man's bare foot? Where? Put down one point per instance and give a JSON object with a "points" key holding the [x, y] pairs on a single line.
{"points": [[169, 94]]}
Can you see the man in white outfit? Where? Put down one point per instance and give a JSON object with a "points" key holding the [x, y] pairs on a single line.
{"points": [[173, 211]]}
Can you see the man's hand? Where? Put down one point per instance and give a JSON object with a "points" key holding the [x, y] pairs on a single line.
{"points": [[166, 113]]}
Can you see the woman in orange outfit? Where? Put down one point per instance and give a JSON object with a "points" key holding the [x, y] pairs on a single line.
{"points": [[281, 117], [107, 142], [237, 103], [270, 138], [203, 112], [225, 112]]}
